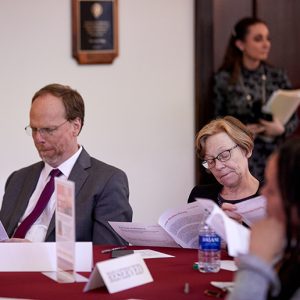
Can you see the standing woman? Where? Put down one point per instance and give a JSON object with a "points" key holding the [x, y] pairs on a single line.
{"points": [[244, 83]]}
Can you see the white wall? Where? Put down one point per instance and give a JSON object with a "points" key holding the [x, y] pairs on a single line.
{"points": [[139, 110]]}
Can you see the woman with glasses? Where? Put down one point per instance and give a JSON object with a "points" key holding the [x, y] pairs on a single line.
{"points": [[271, 269], [225, 145]]}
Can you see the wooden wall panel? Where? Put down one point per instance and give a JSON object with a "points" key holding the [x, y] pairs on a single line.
{"points": [[282, 17], [225, 15]]}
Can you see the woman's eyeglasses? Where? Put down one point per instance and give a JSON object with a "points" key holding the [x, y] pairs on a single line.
{"points": [[222, 157]]}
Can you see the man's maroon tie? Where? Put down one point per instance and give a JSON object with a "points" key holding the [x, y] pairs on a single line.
{"points": [[40, 206]]}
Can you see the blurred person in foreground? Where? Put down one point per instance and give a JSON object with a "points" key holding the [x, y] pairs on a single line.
{"points": [[225, 145], [271, 270], [101, 190]]}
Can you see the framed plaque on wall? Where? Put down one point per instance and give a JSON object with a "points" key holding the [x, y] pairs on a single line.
{"points": [[95, 31]]}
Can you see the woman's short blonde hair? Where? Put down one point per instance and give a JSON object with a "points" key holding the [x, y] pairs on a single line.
{"points": [[234, 128]]}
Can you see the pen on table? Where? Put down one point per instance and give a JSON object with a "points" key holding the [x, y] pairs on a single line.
{"points": [[113, 249]]}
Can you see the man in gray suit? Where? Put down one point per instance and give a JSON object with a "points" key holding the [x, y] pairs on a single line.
{"points": [[101, 190]]}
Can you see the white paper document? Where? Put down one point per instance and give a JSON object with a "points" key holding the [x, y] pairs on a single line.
{"points": [[252, 210], [41, 257], [180, 226], [119, 274], [236, 235], [283, 104], [176, 227], [3, 234], [223, 285], [139, 234], [229, 265], [147, 254]]}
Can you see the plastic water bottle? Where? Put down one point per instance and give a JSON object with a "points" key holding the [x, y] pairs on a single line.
{"points": [[209, 252]]}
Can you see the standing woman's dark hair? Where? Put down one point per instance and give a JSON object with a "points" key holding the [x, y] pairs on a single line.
{"points": [[233, 56]]}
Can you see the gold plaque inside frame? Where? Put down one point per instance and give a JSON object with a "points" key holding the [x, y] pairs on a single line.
{"points": [[95, 31]]}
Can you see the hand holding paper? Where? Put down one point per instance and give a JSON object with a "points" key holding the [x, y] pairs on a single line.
{"points": [[282, 104], [252, 210], [180, 226], [236, 235]]}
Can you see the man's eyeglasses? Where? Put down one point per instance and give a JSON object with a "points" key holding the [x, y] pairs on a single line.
{"points": [[223, 156], [46, 131]]}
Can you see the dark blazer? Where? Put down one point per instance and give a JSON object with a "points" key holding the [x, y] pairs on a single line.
{"points": [[101, 195]]}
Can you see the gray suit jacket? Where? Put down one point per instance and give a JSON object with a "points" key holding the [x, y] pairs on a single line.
{"points": [[101, 195]]}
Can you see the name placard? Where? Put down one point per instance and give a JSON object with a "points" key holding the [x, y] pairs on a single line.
{"points": [[95, 31], [119, 274]]}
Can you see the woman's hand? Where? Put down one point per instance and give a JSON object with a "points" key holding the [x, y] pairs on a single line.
{"points": [[229, 209], [256, 128], [272, 128], [267, 239]]}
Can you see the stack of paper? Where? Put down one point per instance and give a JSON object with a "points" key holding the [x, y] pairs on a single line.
{"points": [[283, 104]]}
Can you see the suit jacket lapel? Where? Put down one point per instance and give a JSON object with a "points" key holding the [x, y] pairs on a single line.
{"points": [[22, 201]]}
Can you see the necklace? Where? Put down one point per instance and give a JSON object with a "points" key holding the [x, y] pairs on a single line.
{"points": [[247, 93]]}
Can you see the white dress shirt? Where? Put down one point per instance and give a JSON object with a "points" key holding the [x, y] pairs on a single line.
{"points": [[38, 230]]}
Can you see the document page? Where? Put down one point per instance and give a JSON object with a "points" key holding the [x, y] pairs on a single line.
{"points": [[182, 223], [236, 235], [176, 227], [3, 234], [180, 226], [282, 104], [252, 210], [139, 234]]}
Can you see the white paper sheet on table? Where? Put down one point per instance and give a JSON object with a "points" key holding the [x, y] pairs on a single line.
{"points": [[223, 285], [148, 253], [40, 257], [229, 265]]}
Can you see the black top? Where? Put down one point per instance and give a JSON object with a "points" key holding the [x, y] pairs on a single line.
{"points": [[212, 192]]}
